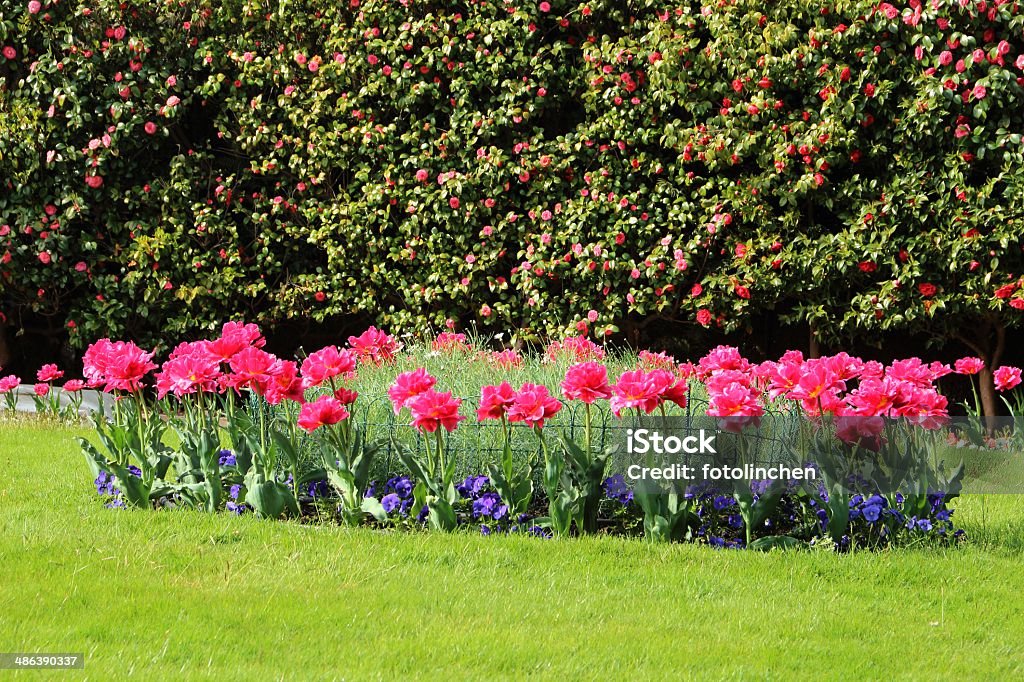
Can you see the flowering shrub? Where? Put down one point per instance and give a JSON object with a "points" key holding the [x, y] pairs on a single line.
{"points": [[292, 442], [584, 167]]}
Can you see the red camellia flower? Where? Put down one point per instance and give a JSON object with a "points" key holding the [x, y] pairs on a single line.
{"points": [[431, 410], [704, 317], [869, 90], [48, 373], [533, 405], [94, 181], [1006, 290], [1007, 378], [927, 289], [149, 127], [867, 266], [324, 411]]}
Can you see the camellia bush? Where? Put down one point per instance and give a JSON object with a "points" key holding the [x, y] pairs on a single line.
{"points": [[593, 167], [223, 425]]}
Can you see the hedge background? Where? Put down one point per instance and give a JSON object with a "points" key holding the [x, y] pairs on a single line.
{"points": [[635, 170]]}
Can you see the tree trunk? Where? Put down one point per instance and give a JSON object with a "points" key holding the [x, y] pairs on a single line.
{"points": [[987, 386], [988, 341], [814, 347], [5, 350]]}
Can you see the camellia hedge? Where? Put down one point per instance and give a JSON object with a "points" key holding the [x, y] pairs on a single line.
{"points": [[586, 167]]}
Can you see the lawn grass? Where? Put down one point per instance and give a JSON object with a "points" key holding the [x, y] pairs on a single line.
{"points": [[190, 595]]}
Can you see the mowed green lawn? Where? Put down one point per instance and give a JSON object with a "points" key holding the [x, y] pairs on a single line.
{"points": [[161, 594]]}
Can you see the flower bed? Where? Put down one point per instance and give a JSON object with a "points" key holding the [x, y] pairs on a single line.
{"points": [[224, 425]]}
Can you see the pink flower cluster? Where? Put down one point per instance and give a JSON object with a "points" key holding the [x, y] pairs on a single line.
{"points": [[847, 386], [576, 348], [532, 404], [430, 409]]}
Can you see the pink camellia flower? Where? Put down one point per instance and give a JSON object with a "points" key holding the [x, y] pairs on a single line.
{"points": [[34, 6], [409, 385], [74, 385], [431, 410], [587, 382], [285, 384], [48, 373], [969, 365], [252, 368], [94, 181], [9, 52], [324, 411], [327, 363], [374, 346], [173, 101], [422, 175], [495, 401], [1007, 378], [533, 404], [41, 389], [193, 372], [149, 127], [9, 383]]}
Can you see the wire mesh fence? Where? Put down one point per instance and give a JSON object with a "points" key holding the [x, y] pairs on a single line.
{"points": [[475, 443]]}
